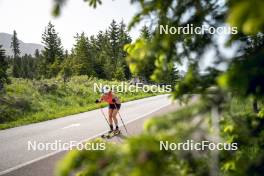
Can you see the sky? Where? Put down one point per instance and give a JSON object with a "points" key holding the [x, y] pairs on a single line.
{"points": [[29, 18]]}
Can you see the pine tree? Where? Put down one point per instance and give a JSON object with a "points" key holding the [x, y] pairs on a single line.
{"points": [[3, 68], [52, 53], [15, 45], [145, 33], [104, 50], [36, 54], [124, 39], [16, 71], [83, 63], [97, 48], [114, 42]]}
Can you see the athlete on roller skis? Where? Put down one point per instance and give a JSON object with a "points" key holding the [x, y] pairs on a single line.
{"points": [[114, 106]]}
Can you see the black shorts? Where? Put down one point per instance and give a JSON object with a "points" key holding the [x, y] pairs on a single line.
{"points": [[114, 106]]}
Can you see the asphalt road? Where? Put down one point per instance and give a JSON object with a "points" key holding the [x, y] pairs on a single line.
{"points": [[16, 159]]}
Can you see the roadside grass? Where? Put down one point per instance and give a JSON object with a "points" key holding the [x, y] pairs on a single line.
{"points": [[27, 101]]}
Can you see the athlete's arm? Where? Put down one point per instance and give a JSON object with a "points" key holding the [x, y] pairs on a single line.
{"points": [[99, 100]]}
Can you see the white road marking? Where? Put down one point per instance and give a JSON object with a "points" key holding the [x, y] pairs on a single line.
{"points": [[56, 152], [72, 125]]}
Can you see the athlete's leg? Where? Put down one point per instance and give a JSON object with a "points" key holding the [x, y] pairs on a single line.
{"points": [[115, 111], [110, 118]]}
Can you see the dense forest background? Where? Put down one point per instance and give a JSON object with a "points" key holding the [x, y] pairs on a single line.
{"points": [[101, 56]]}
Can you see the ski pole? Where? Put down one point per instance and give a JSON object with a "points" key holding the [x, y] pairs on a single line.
{"points": [[102, 111], [121, 118]]}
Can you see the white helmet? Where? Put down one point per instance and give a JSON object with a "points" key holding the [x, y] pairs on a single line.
{"points": [[105, 90]]}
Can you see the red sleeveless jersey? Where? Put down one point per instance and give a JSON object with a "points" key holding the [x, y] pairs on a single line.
{"points": [[108, 98]]}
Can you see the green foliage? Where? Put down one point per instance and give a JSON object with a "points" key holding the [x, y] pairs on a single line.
{"points": [[248, 16], [119, 73], [244, 79], [166, 49], [137, 56], [245, 74], [67, 70], [186, 85], [28, 67], [141, 63], [165, 75], [245, 128]]}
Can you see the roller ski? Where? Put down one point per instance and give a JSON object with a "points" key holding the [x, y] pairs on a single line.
{"points": [[111, 134]]}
